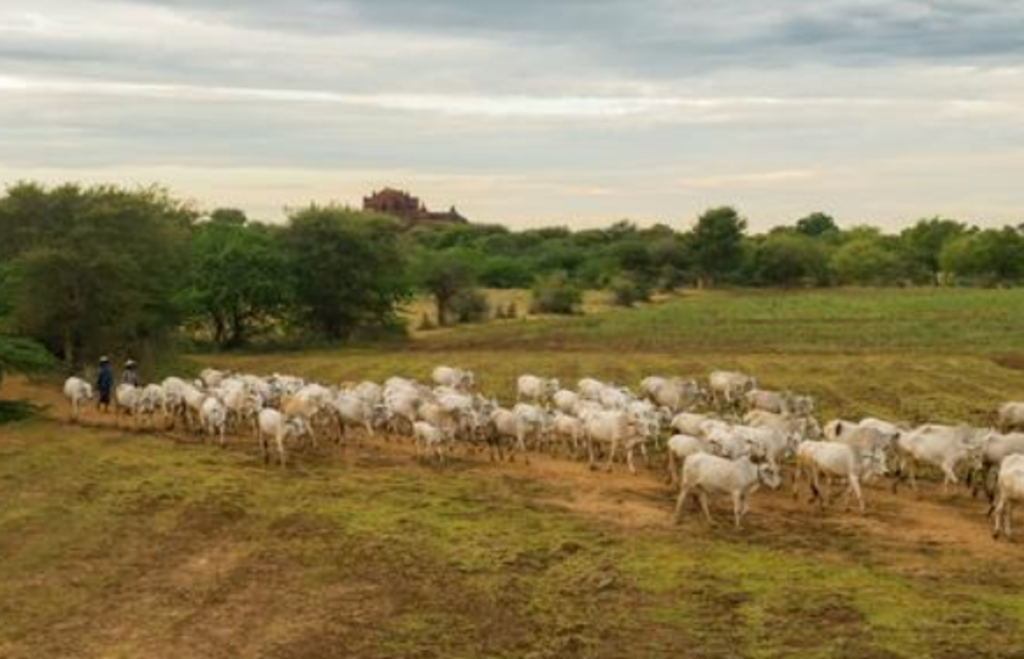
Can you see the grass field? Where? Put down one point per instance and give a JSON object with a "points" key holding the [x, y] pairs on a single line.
{"points": [[944, 355], [122, 545]]}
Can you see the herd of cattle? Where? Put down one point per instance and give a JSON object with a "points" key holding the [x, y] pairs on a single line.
{"points": [[729, 437]]}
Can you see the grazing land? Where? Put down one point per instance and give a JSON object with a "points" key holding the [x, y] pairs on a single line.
{"points": [[118, 544]]}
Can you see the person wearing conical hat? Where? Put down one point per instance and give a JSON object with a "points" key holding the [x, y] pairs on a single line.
{"points": [[131, 373], [104, 384]]}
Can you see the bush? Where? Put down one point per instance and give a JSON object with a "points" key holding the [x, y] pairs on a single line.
{"points": [[627, 291], [556, 294], [470, 306]]}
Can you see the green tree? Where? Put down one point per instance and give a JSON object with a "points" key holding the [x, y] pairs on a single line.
{"points": [[923, 243], [989, 257], [556, 294], [445, 276], [240, 277], [790, 259], [95, 269], [866, 262], [20, 355], [816, 225], [348, 270], [716, 244]]}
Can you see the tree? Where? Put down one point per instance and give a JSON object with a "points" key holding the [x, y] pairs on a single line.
{"points": [[816, 225], [987, 257], [20, 355], [240, 276], [95, 269], [924, 243], [445, 276], [716, 244], [866, 262], [348, 270], [556, 294], [790, 259]]}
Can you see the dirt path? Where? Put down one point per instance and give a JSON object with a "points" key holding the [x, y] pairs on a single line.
{"points": [[925, 531]]}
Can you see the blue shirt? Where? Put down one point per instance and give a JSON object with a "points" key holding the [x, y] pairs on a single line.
{"points": [[105, 379]]}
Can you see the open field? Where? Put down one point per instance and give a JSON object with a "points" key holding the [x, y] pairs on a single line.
{"points": [[942, 355], [122, 545]]}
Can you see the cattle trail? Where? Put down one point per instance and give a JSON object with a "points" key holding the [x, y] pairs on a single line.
{"points": [[926, 531]]}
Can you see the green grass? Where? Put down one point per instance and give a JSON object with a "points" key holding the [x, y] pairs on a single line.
{"points": [[118, 545], [914, 355]]}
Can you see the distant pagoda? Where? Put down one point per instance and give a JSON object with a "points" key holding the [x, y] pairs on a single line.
{"points": [[401, 204]]}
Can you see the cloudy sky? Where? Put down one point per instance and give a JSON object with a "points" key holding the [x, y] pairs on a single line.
{"points": [[529, 112]]}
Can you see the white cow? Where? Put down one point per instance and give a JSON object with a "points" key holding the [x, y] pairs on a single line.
{"points": [[996, 447], [1011, 416], [456, 378], [352, 411], [679, 449], [687, 423], [674, 393], [615, 398], [272, 423], [769, 401], [944, 447], [795, 428], [151, 400], [825, 460], [213, 419], [566, 401], [1010, 489], [537, 389], [174, 400], [77, 391], [615, 429], [728, 386], [127, 398], [212, 378], [429, 439], [706, 474], [507, 424], [871, 443], [590, 389], [570, 429]]}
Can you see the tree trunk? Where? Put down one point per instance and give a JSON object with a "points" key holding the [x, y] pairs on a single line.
{"points": [[237, 338], [442, 307], [218, 329], [69, 346]]}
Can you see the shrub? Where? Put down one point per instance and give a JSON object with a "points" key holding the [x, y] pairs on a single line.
{"points": [[557, 295], [470, 306], [627, 291]]}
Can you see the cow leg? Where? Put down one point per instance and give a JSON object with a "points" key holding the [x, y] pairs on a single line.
{"points": [[680, 501], [858, 492], [263, 447], [611, 455], [704, 505], [281, 454]]}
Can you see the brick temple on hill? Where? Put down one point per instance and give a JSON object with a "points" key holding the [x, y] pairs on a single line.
{"points": [[401, 204]]}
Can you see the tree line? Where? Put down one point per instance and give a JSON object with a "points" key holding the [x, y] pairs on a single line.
{"points": [[85, 270]]}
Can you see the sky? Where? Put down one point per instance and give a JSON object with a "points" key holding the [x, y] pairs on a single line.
{"points": [[529, 112]]}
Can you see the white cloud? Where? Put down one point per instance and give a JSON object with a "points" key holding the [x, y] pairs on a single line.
{"points": [[534, 111]]}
